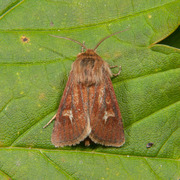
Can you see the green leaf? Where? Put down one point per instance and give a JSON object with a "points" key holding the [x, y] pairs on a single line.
{"points": [[34, 69]]}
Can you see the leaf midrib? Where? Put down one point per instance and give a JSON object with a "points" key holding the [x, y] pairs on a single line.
{"points": [[85, 152]]}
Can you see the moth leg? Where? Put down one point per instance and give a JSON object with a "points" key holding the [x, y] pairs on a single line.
{"points": [[118, 71], [112, 66], [54, 117], [82, 50]]}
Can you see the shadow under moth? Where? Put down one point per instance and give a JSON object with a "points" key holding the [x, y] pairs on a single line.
{"points": [[88, 108]]}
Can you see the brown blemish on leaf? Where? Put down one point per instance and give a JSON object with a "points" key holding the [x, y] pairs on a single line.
{"points": [[25, 39], [117, 54], [1, 143], [51, 23], [41, 96]]}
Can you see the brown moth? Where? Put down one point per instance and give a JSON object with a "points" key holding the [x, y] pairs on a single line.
{"points": [[88, 107]]}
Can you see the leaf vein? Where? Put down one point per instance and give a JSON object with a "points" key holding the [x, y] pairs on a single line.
{"points": [[10, 8], [108, 21], [166, 107], [166, 141], [27, 130], [56, 165], [151, 169], [5, 174]]}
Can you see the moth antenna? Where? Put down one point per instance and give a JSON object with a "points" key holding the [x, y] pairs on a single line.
{"points": [[81, 44], [109, 37]]}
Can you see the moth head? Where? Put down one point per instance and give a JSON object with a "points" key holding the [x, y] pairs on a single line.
{"points": [[88, 52]]}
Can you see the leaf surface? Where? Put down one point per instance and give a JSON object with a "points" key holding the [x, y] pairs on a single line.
{"points": [[34, 68]]}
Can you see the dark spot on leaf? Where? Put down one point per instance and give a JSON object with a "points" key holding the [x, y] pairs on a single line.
{"points": [[149, 145], [25, 39]]}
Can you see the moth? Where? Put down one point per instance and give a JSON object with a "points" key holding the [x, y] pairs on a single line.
{"points": [[88, 107]]}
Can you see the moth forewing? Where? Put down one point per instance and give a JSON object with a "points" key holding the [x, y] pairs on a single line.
{"points": [[106, 120], [72, 123]]}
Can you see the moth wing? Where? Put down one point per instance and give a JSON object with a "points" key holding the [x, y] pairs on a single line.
{"points": [[105, 117], [72, 122]]}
